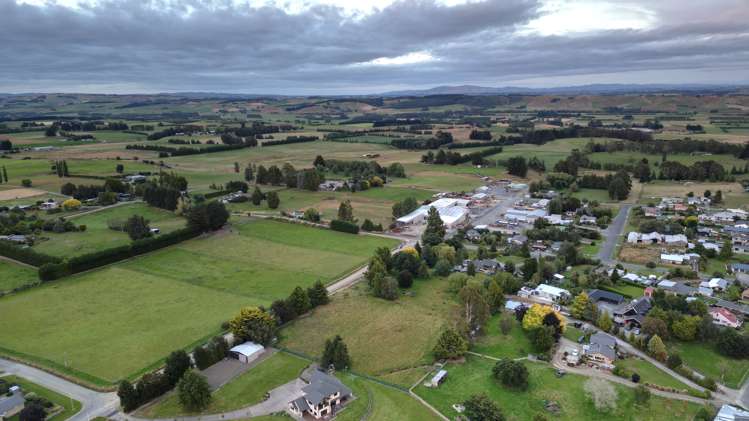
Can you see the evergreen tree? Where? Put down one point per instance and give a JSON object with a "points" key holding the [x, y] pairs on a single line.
{"points": [[481, 408], [346, 212], [318, 294], [248, 176], [657, 349], [299, 301], [435, 229], [65, 169], [177, 363], [257, 196], [450, 345], [128, 396], [726, 251], [193, 391], [335, 354], [5, 174], [273, 200]]}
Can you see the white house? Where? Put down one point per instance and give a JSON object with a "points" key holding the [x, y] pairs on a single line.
{"points": [[551, 293]]}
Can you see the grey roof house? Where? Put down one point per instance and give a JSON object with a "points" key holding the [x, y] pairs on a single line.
{"points": [[602, 348], [322, 397]]}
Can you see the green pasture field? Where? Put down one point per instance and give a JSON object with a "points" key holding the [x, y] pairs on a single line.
{"points": [[707, 361], [475, 377], [383, 337], [146, 307], [70, 406], [375, 401], [13, 275], [493, 343], [651, 374], [245, 390], [99, 236], [634, 157], [599, 195], [550, 153]]}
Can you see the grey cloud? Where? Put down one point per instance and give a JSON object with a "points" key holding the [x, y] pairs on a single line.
{"points": [[221, 46]]}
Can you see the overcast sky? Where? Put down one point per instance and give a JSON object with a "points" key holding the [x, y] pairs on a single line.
{"points": [[368, 46]]}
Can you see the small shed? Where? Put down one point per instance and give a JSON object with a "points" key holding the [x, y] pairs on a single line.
{"points": [[438, 378], [247, 352]]}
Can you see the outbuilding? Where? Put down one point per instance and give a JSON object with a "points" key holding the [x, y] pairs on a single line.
{"points": [[247, 352]]}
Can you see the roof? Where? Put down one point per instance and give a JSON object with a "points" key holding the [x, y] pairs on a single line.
{"points": [[247, 349], [601, 343], [640, 306], [322, 386], [731, 413], [512, 305], [598, 295], [551, 290], [730, 317], [301, 404], [439, 376], [740, 266]]}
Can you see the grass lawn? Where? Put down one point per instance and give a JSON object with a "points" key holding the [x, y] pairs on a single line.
{"points": [[599, 195], [70, 406], [475, 376], [144, 308], [572, 333], [384, 338], [513, 345], [627, 290], [246, 390], [651, 374], [380, 403], [98, 236], [707, 361], [13, 275]]}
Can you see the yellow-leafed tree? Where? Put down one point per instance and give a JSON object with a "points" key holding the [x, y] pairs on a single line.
{"points": [[534, 317]]}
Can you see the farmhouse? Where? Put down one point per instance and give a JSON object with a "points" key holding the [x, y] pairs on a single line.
{"points": [[723, 317], [322, 397], [588, 220], [602, 349], [633, 313], [247, 352]]}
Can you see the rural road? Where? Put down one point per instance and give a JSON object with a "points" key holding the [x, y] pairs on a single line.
{"points": [[94, 404], [355, 276], [611, 234]]}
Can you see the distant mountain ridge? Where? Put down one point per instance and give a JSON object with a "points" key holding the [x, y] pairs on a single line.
{"points": [[613, 88]]}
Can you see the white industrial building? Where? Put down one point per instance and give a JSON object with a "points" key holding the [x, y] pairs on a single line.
{"points": [[451, 211]]}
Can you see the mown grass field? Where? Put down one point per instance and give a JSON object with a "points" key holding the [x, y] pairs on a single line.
{"points": [[13, 275], [69, 406], [475, 376], [99, 236], [387, 339], [243, 391], [493, 343], [651, 374], [142, 309]]}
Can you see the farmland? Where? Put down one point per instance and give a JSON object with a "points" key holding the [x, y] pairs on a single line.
{"points": [[386, 339], [13, 275], [210, 282]]}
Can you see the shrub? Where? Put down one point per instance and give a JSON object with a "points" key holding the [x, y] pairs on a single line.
{"points": [[344, 226], [71, 204], [405, 279], [512, 374], [26, 182], [673, 361], [635, 378]]}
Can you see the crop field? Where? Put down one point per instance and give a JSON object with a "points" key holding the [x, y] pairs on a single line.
{"points": [[146, 307], [475, 376], [13, 275], [383, 337], [99, 236]]}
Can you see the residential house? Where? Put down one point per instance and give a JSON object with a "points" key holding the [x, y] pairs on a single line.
{"points": [[633, 313], [551, 293], [745, 295], [597, 295], [517, 240], [487, 266], [15, 238], [677, 288], [739, 267], [723, 317], [602, 349], [588, 220], [331, 185], [473, 236], [557, 219], [716, 284], [679, 259], [135, 179], [322, 397], [651, 212], [49, 205]]}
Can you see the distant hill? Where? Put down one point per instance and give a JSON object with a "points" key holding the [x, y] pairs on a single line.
{"points": [[581, 89]]}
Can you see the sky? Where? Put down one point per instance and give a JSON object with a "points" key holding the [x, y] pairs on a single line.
{"points": [[338, 47]]}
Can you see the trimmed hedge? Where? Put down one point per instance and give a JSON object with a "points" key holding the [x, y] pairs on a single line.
{"points": [[90, 261], [344, 226], [26, 255], [289, 140]]}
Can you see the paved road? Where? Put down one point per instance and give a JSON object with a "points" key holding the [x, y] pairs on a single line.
{"points": [[506, 201], [94, 403], [612, 233]]}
